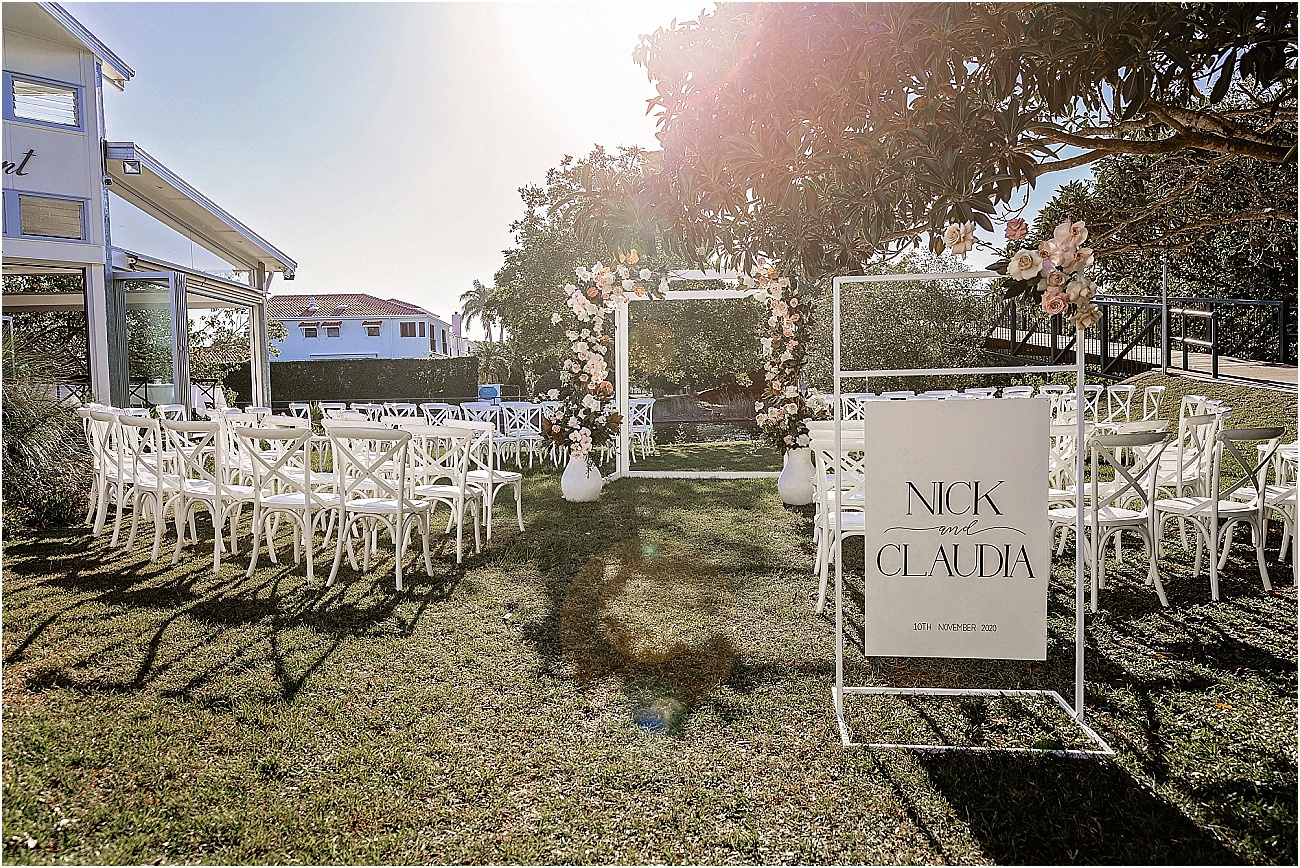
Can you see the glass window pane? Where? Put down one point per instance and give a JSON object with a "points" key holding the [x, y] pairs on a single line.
{"points": [[150, 344], [50, 218], [49, 103]]}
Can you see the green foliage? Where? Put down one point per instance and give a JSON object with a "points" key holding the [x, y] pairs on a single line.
{"points": [[826, 135], [706, 342], [47, 467], [221, 339], [530, 283], [1224, 224], [476, 303], [917, 324], [364, 380]]}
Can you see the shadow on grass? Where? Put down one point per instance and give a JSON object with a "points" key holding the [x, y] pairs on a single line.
{"points": [[1055, 811], [212, 627]]}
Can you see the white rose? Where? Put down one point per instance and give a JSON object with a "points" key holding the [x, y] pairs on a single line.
{"points": [[801, 440], [952, 234], [1025, 264], [1084, 258], [767, 346], [555, 319], [1080, 290], [1085, 317], [965, 243], [1078, 234], [645, 274], [554, 394]]}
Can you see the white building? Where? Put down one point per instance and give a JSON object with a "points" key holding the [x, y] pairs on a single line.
{"points": [[360, 326], [125, 313]]}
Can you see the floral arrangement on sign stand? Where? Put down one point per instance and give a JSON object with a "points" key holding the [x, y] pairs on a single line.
{"points": [[1052, 276], [586, 419], [782, 411]]}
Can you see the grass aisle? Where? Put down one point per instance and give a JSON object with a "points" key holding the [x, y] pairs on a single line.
{"points": [[640, 679]]}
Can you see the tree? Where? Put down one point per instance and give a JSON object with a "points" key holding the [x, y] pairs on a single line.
{"points": [[923, 324], [475, 304], [829, 135], [1225, 225], [706, 342]]}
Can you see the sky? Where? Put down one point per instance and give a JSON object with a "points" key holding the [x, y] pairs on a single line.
{"points": [[379, 145]]}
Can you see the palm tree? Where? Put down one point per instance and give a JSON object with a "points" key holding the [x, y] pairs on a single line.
{"points": [[476, 304]]}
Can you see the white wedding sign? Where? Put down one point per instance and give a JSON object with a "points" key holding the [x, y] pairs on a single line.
{"points": [[958, 549]]}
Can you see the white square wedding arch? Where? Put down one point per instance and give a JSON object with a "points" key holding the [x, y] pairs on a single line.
{"points": [[622, 377]]}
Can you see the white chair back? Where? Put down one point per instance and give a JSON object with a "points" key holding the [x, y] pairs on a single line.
{"points": [[438, 412]]}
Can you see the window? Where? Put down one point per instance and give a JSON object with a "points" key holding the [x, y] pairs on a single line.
{"points": [[444, 342], [421, 328], [47, 217], [43, 102], [408, 330], [331, 331], [372, 331], [309, 331]]}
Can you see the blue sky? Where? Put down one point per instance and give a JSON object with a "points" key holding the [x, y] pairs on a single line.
{"points": [[380, 145]]}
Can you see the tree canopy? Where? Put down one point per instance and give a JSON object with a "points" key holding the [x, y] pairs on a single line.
{"points": [[828, 135], [1225, 225]]}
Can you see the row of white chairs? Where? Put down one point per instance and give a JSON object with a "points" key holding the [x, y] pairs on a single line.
{"points": [[377, 475], [520, 425], [1105, 404], [1164, 477]]}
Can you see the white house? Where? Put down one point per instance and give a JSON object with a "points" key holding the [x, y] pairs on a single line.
{"points": [[125, 312], [359, 326]]}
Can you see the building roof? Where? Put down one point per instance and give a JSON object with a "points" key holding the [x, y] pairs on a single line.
{"points": [[52, 22], [327, 304], [162, 194]]}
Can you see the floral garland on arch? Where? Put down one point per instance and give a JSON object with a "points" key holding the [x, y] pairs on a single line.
{"points": [[586, 419], [782, 411], [1053, 276]]}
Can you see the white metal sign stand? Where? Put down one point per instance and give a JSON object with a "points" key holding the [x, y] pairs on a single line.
{"points": [[622, 316], [840, 689]]}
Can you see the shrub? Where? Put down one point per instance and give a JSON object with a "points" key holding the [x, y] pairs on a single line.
{"points": [[364, 380], [47, 464]]}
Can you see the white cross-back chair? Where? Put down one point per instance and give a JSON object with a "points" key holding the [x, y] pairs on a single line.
{"points": [[109, 480], [1119, 402], [400, 408], [852, 405], [522, 422], [440, 463], [283, 487], [371, 469], [845, 490], [171, 411], [1192, 405], [1152, 398], [439, 412], [369, 408], [1214, 514], [487, 476], [302, 409], [640, 425], [205, 480], [147, 473], [1122, 505]]}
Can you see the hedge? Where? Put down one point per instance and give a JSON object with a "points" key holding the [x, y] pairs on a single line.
{"points": [[363, 380]]}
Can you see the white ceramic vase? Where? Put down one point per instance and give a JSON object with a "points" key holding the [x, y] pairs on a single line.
{"points": [[582, 482], [795, 484]]}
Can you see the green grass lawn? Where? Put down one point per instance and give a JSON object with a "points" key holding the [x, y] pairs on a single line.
{"points": [[641, 679], [745, 456]]}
